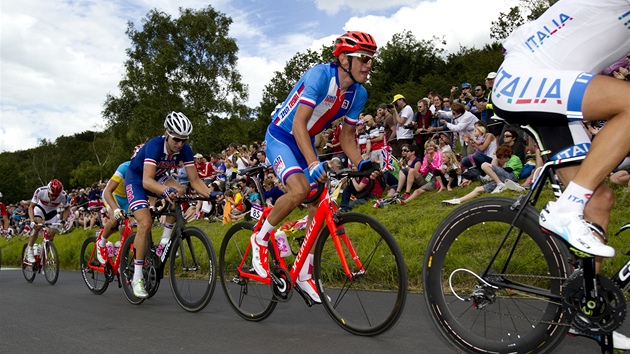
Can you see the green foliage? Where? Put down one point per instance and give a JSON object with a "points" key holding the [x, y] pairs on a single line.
{"points": [[186, 64]]}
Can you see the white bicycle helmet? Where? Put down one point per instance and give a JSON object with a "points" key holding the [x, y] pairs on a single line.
{"points": [[178, 123]]}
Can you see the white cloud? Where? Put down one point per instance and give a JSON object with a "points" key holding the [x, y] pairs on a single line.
{"points": [[60, 59], [361, 6]]}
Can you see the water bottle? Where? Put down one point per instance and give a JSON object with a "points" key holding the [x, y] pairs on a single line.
{"points": [[110, 249], [283, 244], [35, 249], [116, 247]]}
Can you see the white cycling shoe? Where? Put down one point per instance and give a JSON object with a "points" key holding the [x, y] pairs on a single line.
{"points": [[570, 225], [308, 286]]}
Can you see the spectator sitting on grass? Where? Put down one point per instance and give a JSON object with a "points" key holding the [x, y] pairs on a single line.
{"points": [[505, 166]]}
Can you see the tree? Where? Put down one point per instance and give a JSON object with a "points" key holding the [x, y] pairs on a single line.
{"points": [[282, 82], [186, 64], [518, 15]]}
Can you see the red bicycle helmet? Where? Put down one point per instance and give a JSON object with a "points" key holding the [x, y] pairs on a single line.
{"points": [[353, 41], [55, 187]]}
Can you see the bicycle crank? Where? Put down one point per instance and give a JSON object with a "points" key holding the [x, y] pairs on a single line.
{"points": [[599, 316], [281, 284]]}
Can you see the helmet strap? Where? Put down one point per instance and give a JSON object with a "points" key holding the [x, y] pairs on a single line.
{"points": [[349, 69]]}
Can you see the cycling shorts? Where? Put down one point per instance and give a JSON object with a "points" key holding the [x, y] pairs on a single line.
{"points": [[122, 202], [284, 154], [51, 216], [138, 197], [549, 100]]}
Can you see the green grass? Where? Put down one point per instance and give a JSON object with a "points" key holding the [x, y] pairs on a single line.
{"points": [[412, 225]]}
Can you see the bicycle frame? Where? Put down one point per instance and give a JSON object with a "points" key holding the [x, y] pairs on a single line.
{"points": [[326, 210], [114, 264]]}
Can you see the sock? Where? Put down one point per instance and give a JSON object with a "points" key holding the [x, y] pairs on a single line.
{"points": [[102, 242], [166, 234], [137, 269], [306, 272], [263, 235], [574, 198]]}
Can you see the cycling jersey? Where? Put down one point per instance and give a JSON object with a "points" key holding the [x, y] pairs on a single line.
{"points": [[318, 88], [119, 193], [551, 61], [154, 152], [46, 208]]}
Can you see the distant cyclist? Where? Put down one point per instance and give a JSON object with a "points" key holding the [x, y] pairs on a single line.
{"points": [[324, 93], [4, 218], [115, 200], [147, 176], [549, 78], [45, 204]]}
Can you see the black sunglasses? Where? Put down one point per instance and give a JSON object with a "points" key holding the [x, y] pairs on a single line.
{"points": [[176, 139], [507, 136], [404, 150]]}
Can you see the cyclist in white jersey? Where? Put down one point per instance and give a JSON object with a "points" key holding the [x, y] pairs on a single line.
{"points": [[46, 202], [548, 78], [324, 93]]}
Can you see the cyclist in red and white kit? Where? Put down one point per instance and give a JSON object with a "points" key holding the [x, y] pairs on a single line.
{"points": [[548, 78], [46, 202], [4, 217]]}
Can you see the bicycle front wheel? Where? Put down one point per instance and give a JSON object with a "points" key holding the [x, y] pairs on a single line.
{"points": [[95, 280], [511, 304], [370, 299], [127, 255], [252, 300], [50, 262], [192, 269], [27, 268]]}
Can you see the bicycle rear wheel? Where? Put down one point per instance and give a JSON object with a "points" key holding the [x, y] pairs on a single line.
{"points": [[27, 268], [192, 269], [50, 262], [127, 268], [252, 300], [95, 280], [372, 299], [517, 306]]}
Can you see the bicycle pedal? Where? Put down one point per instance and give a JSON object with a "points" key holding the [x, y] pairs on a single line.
{"points": [[304, 295]]}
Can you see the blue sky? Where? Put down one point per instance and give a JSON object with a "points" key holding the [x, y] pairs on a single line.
{"points": [[59, 58]]}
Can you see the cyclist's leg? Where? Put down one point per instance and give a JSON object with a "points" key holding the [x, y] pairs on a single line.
{"points": [[611, 145]]}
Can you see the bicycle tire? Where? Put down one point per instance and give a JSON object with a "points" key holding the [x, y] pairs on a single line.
{"points": [[50, 262], [372, 301], [192, 270], [95, 280], [513, 320], [27, 269], [252, 300], [127, 270]]}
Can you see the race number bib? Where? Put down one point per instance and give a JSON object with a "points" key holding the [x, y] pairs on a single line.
{"points": [[256, 211]]}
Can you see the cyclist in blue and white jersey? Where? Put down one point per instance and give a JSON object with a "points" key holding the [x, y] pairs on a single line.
{"points": [[116, 204], [324, 93], [147, 176], [548, 78]]}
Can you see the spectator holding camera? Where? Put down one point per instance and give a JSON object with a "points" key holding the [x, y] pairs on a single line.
{"points": [[463, 123], [404, 122]]}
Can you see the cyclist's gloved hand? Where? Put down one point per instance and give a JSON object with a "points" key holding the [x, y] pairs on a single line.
{"points": [[365, 165], [316, 169], [168, 191], [118, 214]]}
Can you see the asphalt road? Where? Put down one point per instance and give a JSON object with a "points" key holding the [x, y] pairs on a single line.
{"points": [[67, 318]]}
